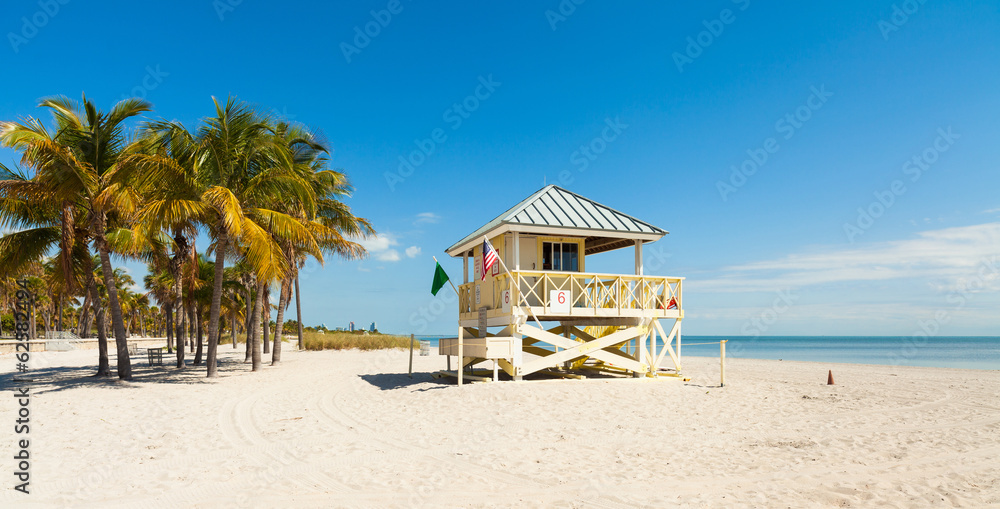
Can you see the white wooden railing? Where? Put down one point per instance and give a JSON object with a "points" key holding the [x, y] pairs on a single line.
{"points": [[590, 294]]}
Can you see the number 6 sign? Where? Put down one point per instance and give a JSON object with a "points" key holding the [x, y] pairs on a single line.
{"points": [[505, 301], [559, 302]]}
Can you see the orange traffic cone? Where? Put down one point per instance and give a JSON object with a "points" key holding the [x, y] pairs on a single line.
{"points": [[829, 378]]}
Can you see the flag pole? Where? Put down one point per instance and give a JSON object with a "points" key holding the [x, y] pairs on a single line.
{"points": [[449, 279], [504, 265], [461, 358]]}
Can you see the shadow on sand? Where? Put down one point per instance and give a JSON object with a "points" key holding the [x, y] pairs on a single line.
{"points": [[393, 381], [60, 378]]}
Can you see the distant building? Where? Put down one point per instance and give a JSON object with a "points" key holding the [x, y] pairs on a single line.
{"points": [[351, 327], [372, 328]]}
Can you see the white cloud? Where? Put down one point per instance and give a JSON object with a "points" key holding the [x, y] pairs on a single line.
{"points": [[412, 251], [427, 217], [991, 211], [389, 255], [380, 247], [378, 243], [945, 259]]}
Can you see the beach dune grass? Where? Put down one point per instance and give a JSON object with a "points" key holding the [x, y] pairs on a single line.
{"points": [[341, 341]]}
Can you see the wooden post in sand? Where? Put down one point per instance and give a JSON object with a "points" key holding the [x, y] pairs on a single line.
{"points": [[722, 361], [461, 331], [411, 355]]}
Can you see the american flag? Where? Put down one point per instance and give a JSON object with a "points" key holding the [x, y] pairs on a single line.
{"points": [[489, 257]]}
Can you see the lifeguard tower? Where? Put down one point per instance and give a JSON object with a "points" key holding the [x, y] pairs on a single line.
{"points": [[596, 323]]}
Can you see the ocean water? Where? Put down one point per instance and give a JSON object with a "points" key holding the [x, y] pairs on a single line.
{"points": [[968, 352]]}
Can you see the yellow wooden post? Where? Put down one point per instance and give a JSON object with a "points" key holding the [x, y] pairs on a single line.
{"points": [[722, 360], [461, 361]]}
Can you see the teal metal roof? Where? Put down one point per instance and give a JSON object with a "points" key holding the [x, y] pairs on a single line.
{"points": [[555, 207]]}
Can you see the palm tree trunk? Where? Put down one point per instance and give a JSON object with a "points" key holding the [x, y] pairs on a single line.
{"points": [[46, 320], [257, 311], [278, 325], [181, 320], [298, 309], [250, 308], [216, 308], [191, 325], [266, 320], [198, 351], [59, 309], [168, 310], [234, 329], [117, 322], [34, 320], [84, 316], [103, 364]]}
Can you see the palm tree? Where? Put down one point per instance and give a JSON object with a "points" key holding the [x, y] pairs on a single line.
{"points": [[41, 225], [160, 283], [85, 169], [326, 217], [240, 174], [171, 203]]}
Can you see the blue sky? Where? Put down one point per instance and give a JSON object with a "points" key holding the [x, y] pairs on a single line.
{"points": [[886, 106]]}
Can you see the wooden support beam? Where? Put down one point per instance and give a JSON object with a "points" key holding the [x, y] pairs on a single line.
{"points": [[638, 257], [460, 375], [472, 361], [602, 321], [668, 339], [578, 332], [517, 251], [474, 332], [562, 374], [506, 366], [534, 350], [722, 365], [616, 350], [605, 369], [575, 350], [641, 354]]}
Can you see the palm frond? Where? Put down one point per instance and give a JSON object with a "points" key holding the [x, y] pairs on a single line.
{"points": [[19, 249]]}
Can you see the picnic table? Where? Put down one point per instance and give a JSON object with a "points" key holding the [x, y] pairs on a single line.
{"points": [[155, 356]]}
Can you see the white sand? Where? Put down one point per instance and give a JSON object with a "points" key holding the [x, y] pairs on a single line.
{"points": [[332, 429]]}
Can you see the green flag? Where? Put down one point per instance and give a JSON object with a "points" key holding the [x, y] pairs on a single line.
{"points": [[440, 278]]}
